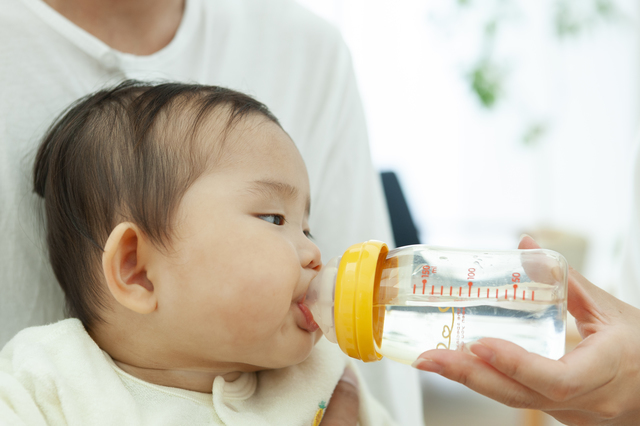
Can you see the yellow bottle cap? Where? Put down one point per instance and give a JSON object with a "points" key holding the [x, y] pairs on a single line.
{"points": [[358, 323]]}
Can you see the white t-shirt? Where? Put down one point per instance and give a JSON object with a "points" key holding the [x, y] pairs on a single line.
{"points": [[56, 375], [274, 50]]}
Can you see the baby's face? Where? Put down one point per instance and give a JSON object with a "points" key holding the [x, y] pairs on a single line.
{"points": [[241, 258]]}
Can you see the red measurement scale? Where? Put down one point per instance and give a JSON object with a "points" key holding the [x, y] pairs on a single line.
{"points": [[482, 293], [491, 293]]}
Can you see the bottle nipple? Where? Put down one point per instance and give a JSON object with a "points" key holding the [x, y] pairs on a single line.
{"points": [[320, 298]]}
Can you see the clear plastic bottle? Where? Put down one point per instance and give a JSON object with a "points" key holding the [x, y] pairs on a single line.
{"points": [[374, 302]]}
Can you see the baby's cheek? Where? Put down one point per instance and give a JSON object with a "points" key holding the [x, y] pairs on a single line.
{"points": [[267, 299], [258, 318]]}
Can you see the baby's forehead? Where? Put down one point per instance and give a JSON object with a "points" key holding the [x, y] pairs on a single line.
{"points": [[249, 138], [256, 155], [202, 140]]}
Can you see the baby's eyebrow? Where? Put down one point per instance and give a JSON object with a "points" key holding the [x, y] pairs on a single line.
{"points": [[271, 188]]}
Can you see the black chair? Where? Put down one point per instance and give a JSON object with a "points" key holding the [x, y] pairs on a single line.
{"points": [[404, 229]]}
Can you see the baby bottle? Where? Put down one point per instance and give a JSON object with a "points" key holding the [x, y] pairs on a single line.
{"points": [[374, 302]]}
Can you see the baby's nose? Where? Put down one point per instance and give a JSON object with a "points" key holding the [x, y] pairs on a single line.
{"points": [[311, 257]]}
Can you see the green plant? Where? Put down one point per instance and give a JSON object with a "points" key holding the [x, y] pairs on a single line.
{"points": [[487, 77]]}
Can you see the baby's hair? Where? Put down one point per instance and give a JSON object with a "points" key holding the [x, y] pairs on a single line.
{"points": [[127, 153]]}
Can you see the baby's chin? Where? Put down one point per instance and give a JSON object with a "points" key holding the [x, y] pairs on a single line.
{"points": [[296, 355], [303, 353]]}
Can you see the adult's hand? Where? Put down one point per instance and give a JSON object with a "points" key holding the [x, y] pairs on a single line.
{"points": [[598, 383], [344, 406]]}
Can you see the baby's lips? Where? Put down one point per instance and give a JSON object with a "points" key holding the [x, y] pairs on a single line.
{"points": [[310, 324]]}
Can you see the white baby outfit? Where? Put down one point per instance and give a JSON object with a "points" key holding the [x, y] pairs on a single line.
{"points": [[57, 375]]}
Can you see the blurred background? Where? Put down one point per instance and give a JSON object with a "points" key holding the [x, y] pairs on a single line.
{"points": [[500, 117]]}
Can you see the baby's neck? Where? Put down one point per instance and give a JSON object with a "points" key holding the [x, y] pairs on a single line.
{"points": [[154, 354], [140, 27], [197, 381]]}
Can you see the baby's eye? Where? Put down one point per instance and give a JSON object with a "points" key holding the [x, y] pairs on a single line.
{"points": [[308, 235], [276, 219]]}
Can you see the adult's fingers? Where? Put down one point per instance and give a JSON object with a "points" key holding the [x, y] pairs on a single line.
{"points": [[591, 306], [509, 374], [539, 267], [344, 406], [479, 376], [570, 377], [581, 291], [526, 242]]}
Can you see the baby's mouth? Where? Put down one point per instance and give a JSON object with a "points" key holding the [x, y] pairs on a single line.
{"points": [[309, 323]]}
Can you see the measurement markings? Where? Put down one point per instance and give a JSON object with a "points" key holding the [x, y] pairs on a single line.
{"points": [[477, 294]]}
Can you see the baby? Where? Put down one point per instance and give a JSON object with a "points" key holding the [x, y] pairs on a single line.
{"points": [[177, 226]]}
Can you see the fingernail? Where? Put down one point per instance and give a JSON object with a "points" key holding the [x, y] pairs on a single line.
{"points": [[523, 236], [481, 351], [428, 365], [350, 377], [464, 347]]}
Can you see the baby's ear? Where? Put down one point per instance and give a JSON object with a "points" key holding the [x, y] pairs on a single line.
{"points": [[124, 263]]}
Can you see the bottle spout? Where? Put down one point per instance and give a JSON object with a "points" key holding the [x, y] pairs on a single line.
{"points": [[320, 298]]}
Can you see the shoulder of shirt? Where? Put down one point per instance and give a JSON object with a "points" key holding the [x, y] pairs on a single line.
{"points": [[44, 334], [15, 16], [35, 344]]}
